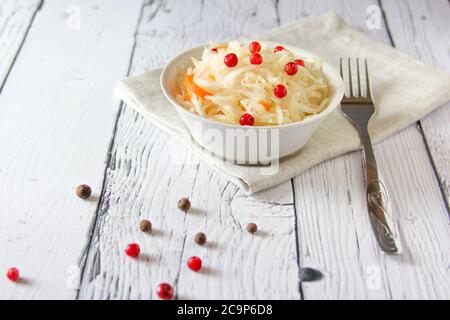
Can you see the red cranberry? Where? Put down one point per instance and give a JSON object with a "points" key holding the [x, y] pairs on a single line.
{"points": [[278, 48], [291, 68], [164, 291], [254, 47], [247, 120], [194, 263], [299, 62], [230, 60], [255, 58], [280, 91], [214, 50], [13, 274], [132, 250]]}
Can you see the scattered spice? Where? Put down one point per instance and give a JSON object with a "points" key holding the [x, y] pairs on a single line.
{"points": [[184, 204], [83, 191], [145, 226], [200, 238], [252, 228]]}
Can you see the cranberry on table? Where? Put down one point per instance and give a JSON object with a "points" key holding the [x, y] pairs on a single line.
{"points": [[132, 250], [164, 291], [13, 274], [230, 60], [278, 48], [254, 47], [280, 91], [299, 62], [256, 58], [291, 68], [247, 120], [194, 263]]}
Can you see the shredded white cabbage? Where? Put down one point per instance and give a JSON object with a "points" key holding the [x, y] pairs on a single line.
{"points": [[215, 91]]}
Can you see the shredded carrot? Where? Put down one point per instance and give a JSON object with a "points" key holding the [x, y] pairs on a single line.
{"points": [[211, 77], [265, 104], [186, 96], [192, 87]]}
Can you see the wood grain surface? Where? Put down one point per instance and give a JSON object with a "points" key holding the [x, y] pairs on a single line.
{"points": [[57, 117], [61, 126], [16, 18]]}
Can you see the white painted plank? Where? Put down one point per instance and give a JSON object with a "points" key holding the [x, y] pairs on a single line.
{"points": [[330, 199], [57, 115], [422, 271], [353, 11], [334, 232], [336, 237], [422, 30], [149, 172], [15, 19]]}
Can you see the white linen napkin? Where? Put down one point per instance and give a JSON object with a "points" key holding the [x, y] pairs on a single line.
{"points": [[404, 89]]}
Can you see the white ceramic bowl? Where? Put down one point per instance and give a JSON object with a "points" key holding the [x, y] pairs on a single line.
{"points": [[245, 144]]}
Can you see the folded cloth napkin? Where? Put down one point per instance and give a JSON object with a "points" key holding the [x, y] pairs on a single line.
{"points": [[404, 90]]}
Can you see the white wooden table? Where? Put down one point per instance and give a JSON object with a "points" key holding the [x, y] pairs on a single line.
{"points": [[60, 126]]}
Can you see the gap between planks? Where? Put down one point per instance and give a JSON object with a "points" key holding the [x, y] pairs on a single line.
{"points": [[4, 77], [110, 196], [85, 253], [44, 159]]}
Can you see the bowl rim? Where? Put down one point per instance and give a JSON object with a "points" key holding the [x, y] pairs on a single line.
{"points": [[332, 105]]}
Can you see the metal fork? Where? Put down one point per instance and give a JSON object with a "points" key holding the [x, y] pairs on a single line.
{"points": [[359, 109]]}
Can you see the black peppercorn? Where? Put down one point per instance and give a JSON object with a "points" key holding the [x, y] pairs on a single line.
{"points": [[145, 226], [200, 238], [252, 228], [83, 191], [184, 204]]}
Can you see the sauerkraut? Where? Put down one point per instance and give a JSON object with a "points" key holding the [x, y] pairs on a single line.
{"points": [[213, 90]]}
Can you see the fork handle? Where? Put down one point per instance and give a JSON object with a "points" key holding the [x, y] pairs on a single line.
{"points": [[383, 223]]}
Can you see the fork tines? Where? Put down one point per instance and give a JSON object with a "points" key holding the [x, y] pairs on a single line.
{"points": [[360, 97]]}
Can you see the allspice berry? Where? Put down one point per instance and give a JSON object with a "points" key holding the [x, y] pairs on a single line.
{"points": [[145, 226], [83, 191], [184, 204], [200, 238], [252, 228]]}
